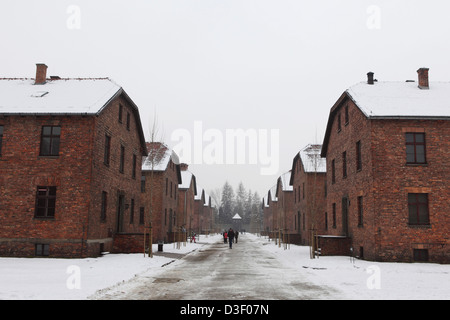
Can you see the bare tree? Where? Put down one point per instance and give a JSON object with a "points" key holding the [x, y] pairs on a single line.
{"points": [[154, 151]]}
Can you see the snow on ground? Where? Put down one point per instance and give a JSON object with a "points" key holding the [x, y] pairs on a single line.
{"points": [[77, 279], [368, 280], [44, 278]]}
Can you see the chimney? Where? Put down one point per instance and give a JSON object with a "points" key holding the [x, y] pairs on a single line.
{"points": [[41, 73], [184, 166], [370, 77], [423, 78]]}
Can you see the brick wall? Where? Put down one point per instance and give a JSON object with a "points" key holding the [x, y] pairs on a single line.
{"points": [[382, 185], [79, 175], [162, 201]]}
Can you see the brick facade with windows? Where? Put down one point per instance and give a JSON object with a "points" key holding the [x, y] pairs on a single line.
{"points": [[161, 171], [284, 222], [308, 180], [59, 197], [387, 149], [186, 207]]}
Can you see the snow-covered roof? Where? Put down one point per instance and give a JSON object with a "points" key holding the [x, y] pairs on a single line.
{"points": [[273, 193], [207, 200], [186, 178], [64, 96], [401, 99], [199, 194], [237, 217], [159, 156], [311, 159], [284, 179]]}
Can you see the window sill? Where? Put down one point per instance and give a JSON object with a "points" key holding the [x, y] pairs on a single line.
{"points": [[44, 218], [420, 226], [48, 157], [416, 164]]}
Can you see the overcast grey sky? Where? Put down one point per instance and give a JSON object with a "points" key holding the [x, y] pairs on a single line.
{"points": [[256, 65]]}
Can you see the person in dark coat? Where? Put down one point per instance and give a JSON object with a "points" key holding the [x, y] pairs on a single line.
{"points": [[236, 235], [231, 237]]}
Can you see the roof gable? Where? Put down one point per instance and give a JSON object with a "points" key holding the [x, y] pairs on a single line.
{"points": [[394, 100]]}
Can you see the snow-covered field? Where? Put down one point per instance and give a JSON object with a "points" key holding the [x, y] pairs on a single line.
{"points": [[36, 278]]}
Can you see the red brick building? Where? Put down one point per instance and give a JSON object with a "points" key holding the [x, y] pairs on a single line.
{"points": [[270, 211], [387, 148], [161, 176], [70, 162], [201, 222], [187, 191], [284, 219], [308, 180]]}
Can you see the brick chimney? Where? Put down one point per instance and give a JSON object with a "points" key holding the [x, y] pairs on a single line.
{"points": [[423, 78], [370, 77], [41, 73]]}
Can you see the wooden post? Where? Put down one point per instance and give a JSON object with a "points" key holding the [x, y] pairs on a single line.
{"points": [[150, 240]]}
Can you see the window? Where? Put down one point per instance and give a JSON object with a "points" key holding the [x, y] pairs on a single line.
{"points": [[133, 174], [120, 113], [420, 255], [339, 122], [42, 250], [122, 159], [360, 211], [104, 206], [334, 215], [141, 215], [1, 139], [358, 156], [418, 209], [128, 121], [415, 148], [132, 211], [107, 152], [45, 202], [346, 115], [142, 184], [344, 164], [50, 141], [326, 221], [333, 172]]}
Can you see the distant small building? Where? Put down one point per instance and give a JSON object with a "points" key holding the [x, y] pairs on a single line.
{"points": [[237, 222]]}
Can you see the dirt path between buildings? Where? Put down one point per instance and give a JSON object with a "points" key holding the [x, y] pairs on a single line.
{"points": [[215, 272]]}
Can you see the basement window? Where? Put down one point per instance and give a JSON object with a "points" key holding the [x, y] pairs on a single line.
{"points": [[42, 250], [420, 255]]}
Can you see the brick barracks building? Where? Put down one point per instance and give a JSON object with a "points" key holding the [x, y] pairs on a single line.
{"points": [[70, 166], [387, 146], [162, 175]]}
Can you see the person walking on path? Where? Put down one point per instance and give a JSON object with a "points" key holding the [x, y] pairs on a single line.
{"points": [[231, 237], [236, 236], [225, 236]]}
